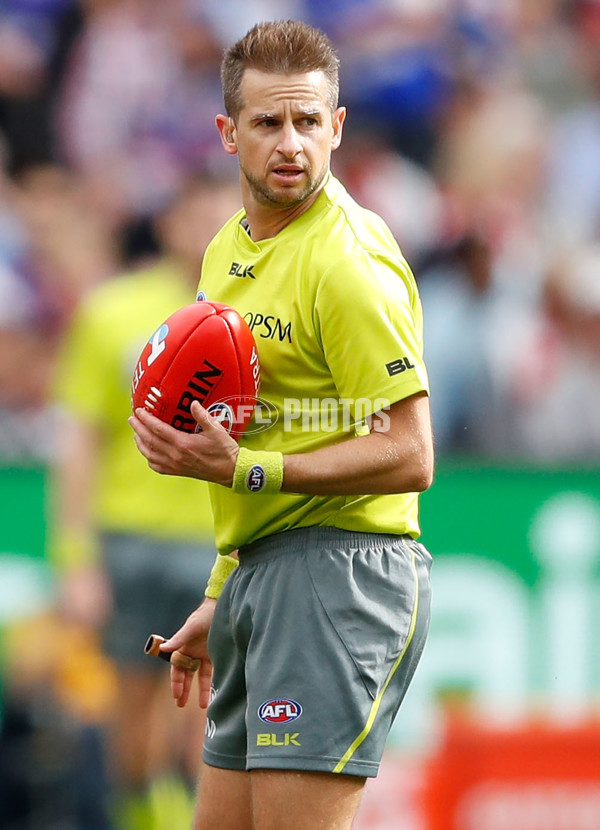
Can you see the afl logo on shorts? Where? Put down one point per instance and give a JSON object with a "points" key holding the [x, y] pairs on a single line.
{"points": [[279, 710]]}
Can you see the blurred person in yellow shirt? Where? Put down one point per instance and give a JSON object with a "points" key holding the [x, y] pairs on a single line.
{"points": [[132, 549]]}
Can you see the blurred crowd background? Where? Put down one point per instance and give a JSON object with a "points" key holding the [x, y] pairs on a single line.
{"points": [[473, 129]]}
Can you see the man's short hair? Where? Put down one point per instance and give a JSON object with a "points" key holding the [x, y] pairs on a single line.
{"points": [[285, 47]]}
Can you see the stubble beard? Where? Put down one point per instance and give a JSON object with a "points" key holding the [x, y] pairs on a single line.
{"points": [[282, 198]]}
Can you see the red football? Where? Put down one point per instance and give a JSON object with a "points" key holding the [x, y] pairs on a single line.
{"points": [[203, 352]]}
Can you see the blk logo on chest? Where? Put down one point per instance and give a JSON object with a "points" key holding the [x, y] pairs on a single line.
{"points": [[241, 271]]}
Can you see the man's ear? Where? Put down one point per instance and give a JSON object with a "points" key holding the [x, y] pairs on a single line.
{"points": [[226, 128], [339, 116]]}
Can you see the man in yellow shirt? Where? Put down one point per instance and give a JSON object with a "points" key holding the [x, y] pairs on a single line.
{"points": [[133, 549], [316, 635]]}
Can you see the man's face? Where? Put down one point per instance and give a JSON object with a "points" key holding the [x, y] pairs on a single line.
{"points": [[284, 136]]}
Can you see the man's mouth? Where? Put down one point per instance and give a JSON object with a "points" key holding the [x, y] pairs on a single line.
{"points": [[288, 171]]}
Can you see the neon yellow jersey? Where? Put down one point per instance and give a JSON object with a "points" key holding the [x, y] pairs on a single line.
{"points": [[336, 315], [94, 381]]}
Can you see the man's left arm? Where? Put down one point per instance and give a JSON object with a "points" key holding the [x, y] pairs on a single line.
{"points": [[395, 457]]}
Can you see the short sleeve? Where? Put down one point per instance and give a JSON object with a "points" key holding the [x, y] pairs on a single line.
{"points": [[368, 316]]}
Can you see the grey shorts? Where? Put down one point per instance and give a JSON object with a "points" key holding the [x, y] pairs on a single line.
{"points": [[156, 584], [314, 642]]}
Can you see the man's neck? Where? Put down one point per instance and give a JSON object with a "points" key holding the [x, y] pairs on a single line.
{"points": [[265, 223]]}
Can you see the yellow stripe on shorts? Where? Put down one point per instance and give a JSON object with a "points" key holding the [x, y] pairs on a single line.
{"points": [[339, 767]]}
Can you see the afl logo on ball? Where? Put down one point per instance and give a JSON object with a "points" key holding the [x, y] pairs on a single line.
{"points": [[279, 710], [222, 413]]}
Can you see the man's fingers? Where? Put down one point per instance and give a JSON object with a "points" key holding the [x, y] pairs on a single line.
{"points": [[184, 661], [152, 426], [182, 678], [151, 430], [181, 683], [204, 683], [145, 434], [204, 419]]}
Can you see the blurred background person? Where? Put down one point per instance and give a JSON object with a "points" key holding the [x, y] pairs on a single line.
{"points": [[571, 197], [117, 121], [486, 276], [56, 685], [133, 549], [35, 38], [553, 398], [53, 248], [457, 293]]}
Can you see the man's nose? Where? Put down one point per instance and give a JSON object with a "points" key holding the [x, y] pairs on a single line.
{"points": [[289, 142]]}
